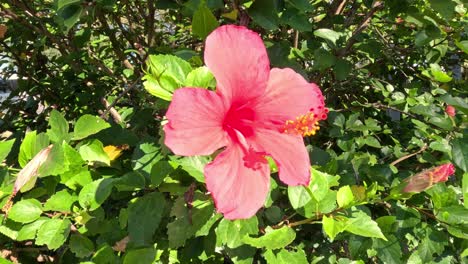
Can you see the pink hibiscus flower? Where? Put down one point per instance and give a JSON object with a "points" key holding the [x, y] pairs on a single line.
{"points": [[255, 112]]}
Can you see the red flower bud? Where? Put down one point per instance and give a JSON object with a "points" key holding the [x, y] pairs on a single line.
{"points": [[425, 179], [450, 110]]}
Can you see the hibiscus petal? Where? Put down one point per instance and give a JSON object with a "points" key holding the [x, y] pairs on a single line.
{"points": [[238, 59], [238, 191], [195, 122], [289, 153], [288, 95]]}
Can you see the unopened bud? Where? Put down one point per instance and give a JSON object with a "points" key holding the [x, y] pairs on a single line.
{"points": [[450, 110], [425, 179]]}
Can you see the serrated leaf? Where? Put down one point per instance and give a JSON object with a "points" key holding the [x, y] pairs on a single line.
{"points": [[344, 197], [61, 201], [141, 255], [361, 224], [460, 153], [264, 13], [200, 77], [333, 227], [273, 238], [81, 246], [318, 185], [31, 145], [187, 223], [29, 231], [145, 156], [231, 233], [88, 125], [53, 233], [327, 34], [144, 216], [165, 74], [93, 151], [193, 165], [298, 196], [203, 21], [5, 148], [58, 127], [25, 211], [95, 193]]}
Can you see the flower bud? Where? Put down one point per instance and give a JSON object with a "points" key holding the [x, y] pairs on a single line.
{"points": [[450, 110], [425, 179]]}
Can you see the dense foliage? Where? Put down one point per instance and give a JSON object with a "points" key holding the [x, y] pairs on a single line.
{"points": [[94, 82]]}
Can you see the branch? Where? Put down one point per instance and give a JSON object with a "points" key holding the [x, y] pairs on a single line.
{"points": [[423, 148], [376, 6]]}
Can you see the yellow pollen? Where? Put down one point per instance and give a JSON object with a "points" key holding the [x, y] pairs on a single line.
{"points": [[305, 125]]}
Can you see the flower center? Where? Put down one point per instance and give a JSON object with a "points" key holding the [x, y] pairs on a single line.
{"points": [[307, 124], [240, 119]]}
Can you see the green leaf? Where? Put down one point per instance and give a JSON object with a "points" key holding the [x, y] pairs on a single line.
{"points": [[463, 45], [445, 8], [5, 148], [93, 151], [361, 224], [55, 163], [105, 255], [327, 34], [160, 171], [141, 255], [455, 214], [130, 181], [323, 59], [438, 74], [144, 216], [58, 127], [342, 69], [63, 3], [95, 193], [303, 5], [388, 251], [25, 211], [460, 153], [69, 15], [241, 255], [273, 238], [193, 165], [264, 13], [165, 74], [61, 201], [81, 246], [53, 233], [298, 196], [465, 189], [145, 156], [31, 145], [203, 21], [344, 197], [318, 184], [333, 226], [188, 222], [231, 233], [457, 102], [88, 125], [29, 231], [200, 77], [432, 243], [286, 257]]}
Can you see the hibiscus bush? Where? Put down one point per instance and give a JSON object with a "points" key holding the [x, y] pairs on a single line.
{"points": [[265, 131]]}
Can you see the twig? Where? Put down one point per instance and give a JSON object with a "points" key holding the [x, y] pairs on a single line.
{"points": [[422, 149], [376, 6], [296, 39], [340, 7]]}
